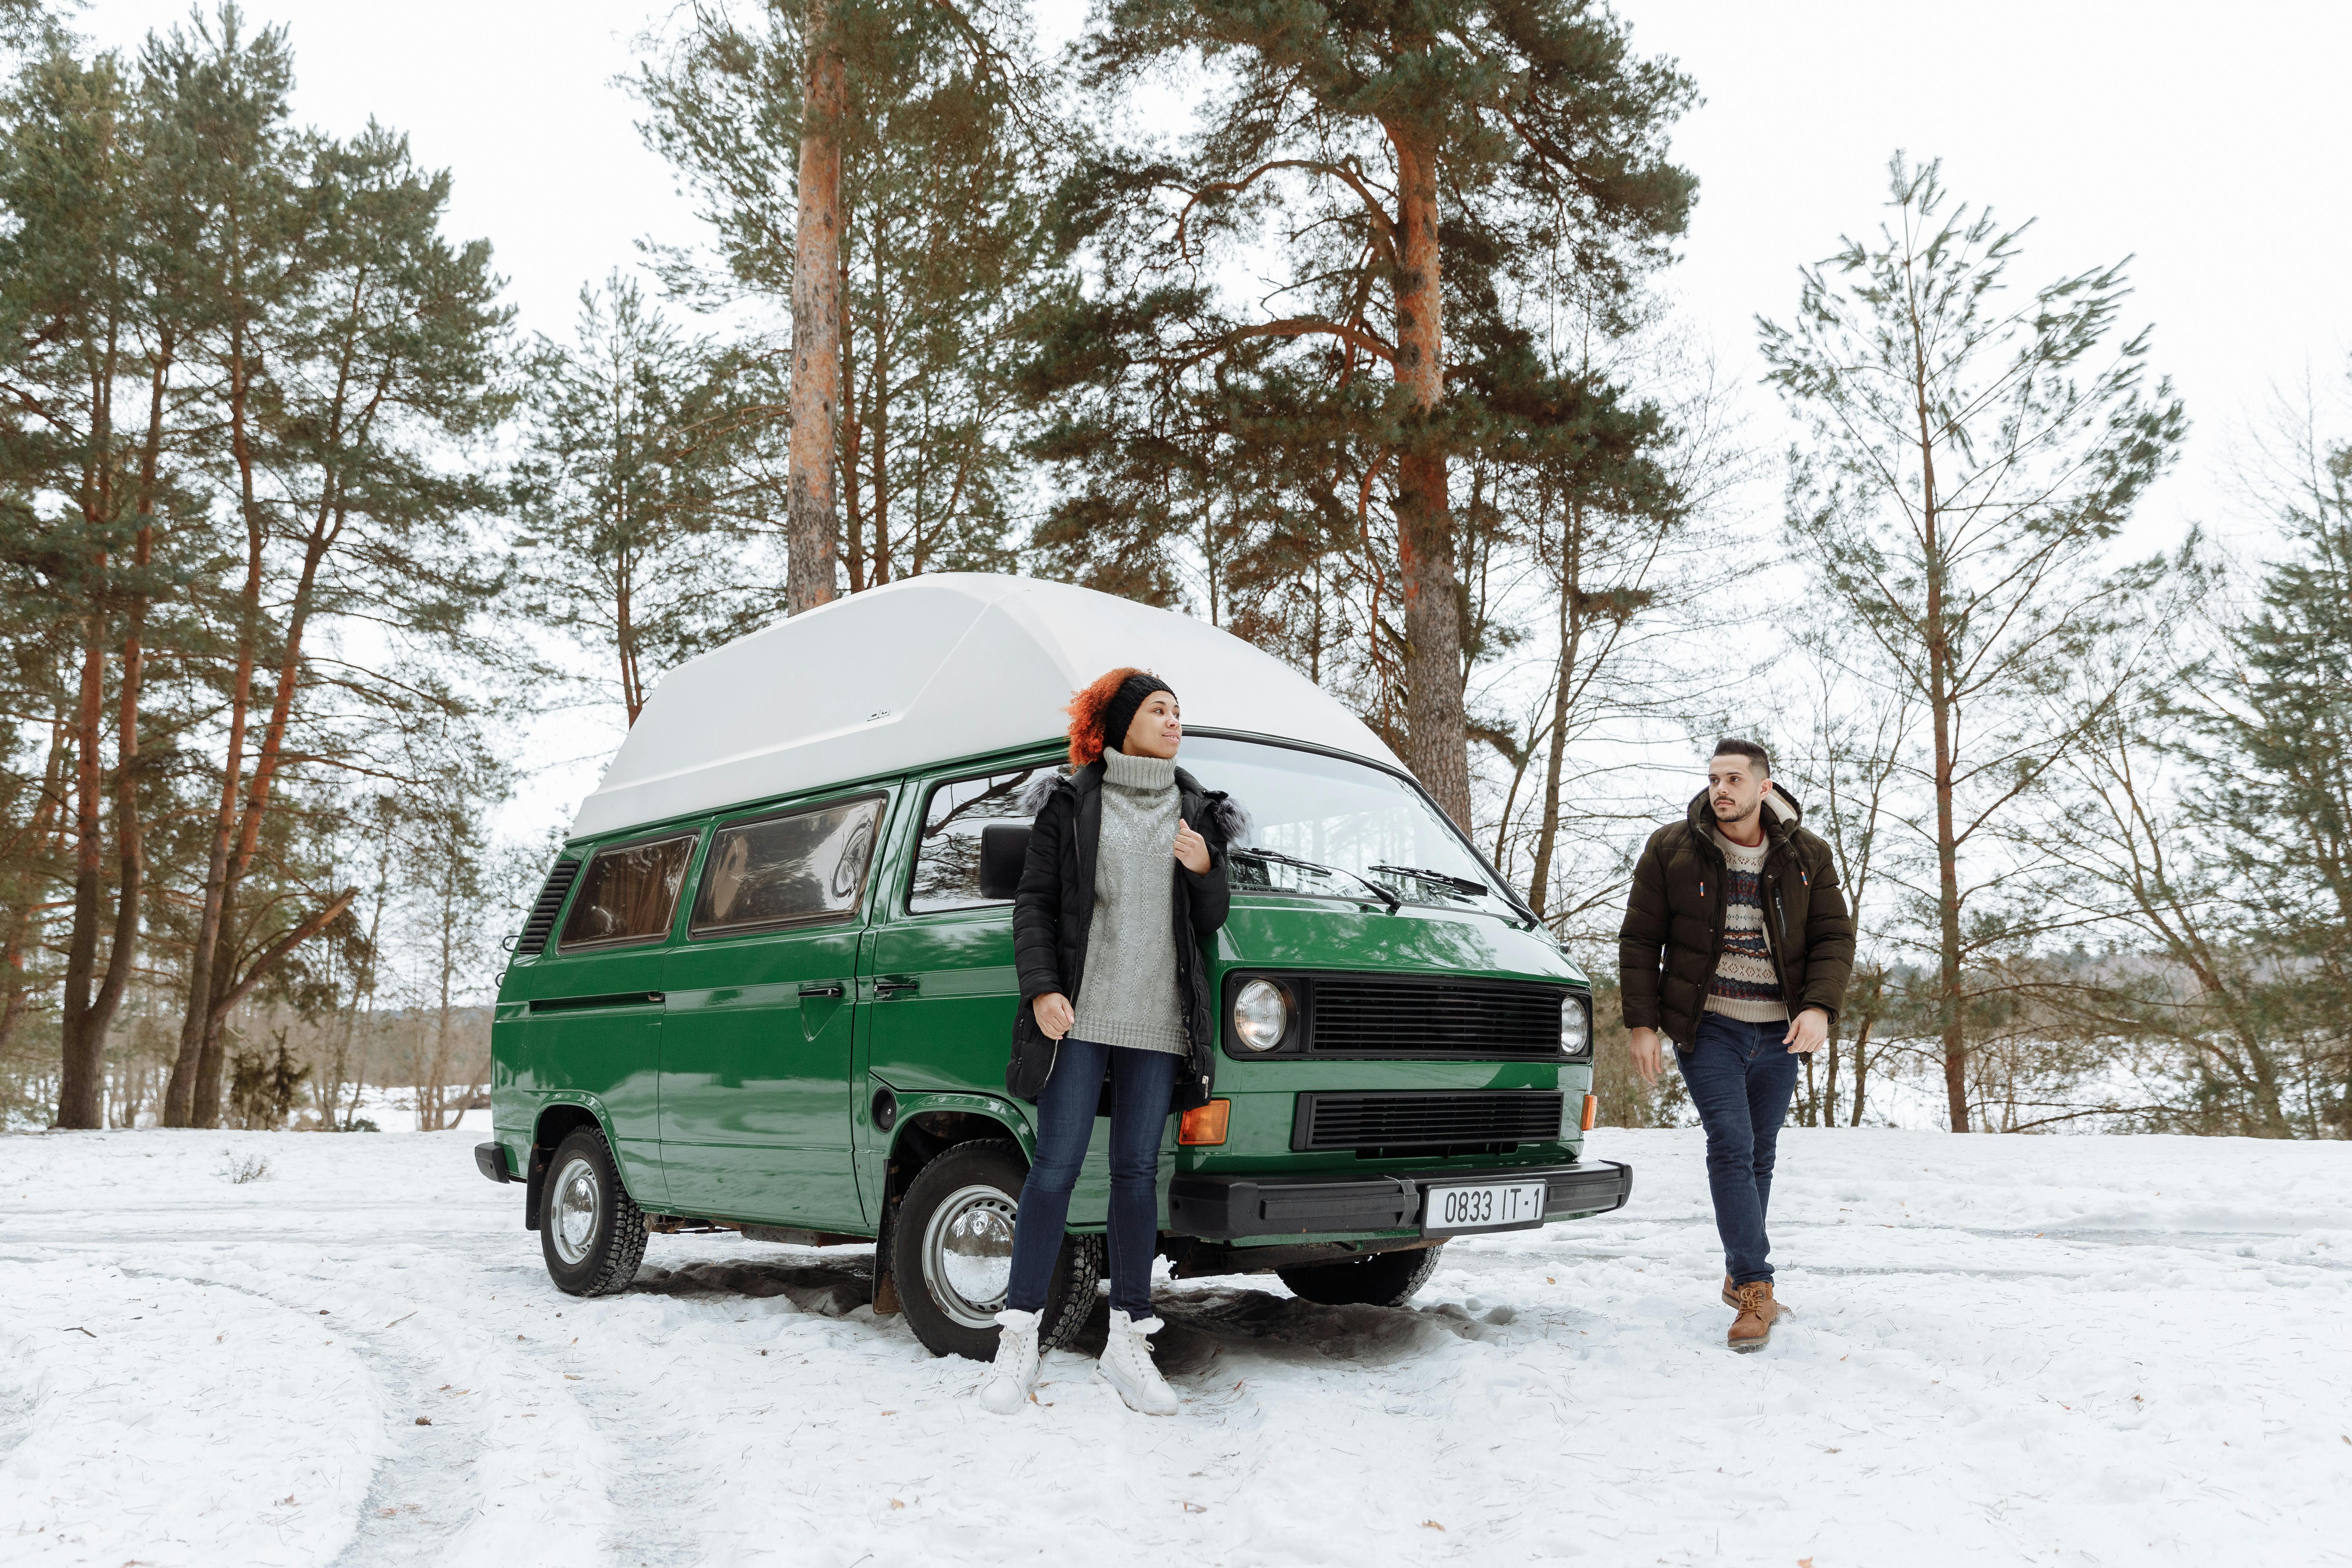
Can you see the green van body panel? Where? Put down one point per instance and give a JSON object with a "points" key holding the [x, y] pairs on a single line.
{"points": [[738, 1097], [607, 1054], [756, 1078]]}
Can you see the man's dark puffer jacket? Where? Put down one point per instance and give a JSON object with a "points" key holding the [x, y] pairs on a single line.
{"points": [[1673, 934], [1053, 911]]}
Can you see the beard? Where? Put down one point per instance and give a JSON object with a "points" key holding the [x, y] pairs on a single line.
{"points": [[1733, 813]]}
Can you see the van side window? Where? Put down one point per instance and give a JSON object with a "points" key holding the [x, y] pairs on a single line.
{"points": [[788, 870], [947, 861], [627, 894]]}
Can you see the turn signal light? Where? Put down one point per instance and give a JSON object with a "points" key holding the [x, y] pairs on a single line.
{"points": [[1206, 1123], [1592, 1109]]}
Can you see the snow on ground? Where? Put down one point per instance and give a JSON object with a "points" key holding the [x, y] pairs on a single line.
{"points": [[2026, 1350]]}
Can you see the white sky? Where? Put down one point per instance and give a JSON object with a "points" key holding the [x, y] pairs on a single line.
{"points": [[2209, 140]]}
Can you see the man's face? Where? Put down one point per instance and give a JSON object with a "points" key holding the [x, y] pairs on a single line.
{"points": [[1735, 787]]}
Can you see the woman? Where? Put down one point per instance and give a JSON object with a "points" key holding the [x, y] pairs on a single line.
{"points": [[1125, 875]]}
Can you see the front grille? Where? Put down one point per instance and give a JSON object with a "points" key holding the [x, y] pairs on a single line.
{"points": [[1400, 1017], [1393, 1122], [535, 930]]}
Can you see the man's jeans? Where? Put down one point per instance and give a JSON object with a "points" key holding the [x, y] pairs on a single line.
{"points": [[1741, 1079], [1142, 1084]]}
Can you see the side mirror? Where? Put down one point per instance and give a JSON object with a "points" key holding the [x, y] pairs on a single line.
{"points": [[1003, 848]]}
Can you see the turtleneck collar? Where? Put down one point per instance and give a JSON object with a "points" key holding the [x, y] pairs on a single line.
{"points": [[1145, 773]]}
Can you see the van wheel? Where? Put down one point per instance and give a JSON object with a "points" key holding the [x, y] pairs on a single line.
{"points": [[1382, 1279], [591, 1233], [952, 1252]]}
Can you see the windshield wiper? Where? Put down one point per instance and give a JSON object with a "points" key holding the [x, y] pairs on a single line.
{"points": [[1386, 895], [1443, 878]]}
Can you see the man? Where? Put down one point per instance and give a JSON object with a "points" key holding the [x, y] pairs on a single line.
{"points": [[1738, 945]]}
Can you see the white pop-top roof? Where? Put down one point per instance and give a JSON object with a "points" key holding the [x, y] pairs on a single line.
{"points": [[941, 666]]}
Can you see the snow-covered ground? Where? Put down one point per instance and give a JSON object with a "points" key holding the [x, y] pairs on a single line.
{"points": [[2052, 1350]]}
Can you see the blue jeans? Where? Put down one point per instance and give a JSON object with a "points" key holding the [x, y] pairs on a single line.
{"points": [[1741, 1079], [1141, 1085]]}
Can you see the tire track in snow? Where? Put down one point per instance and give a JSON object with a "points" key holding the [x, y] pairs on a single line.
{"points": [[524, 1494], [664, 1487]]}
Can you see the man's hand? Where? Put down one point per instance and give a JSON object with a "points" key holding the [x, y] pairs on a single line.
{"points": [[1054, 1015], [1809, 1031], [1645, 1054], [1192, 849]]}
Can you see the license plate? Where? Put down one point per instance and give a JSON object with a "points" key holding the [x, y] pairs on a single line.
{"points": [[1486, 1208]]}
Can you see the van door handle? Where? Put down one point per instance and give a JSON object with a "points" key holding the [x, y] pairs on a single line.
{"points": [[832, 988], [891, 984]]}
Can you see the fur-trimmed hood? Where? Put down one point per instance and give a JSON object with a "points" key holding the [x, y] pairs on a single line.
{"points": [[1225, 814], [1781, 813]]}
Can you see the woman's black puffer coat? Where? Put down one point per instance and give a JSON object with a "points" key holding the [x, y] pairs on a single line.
{"points": [[1052, 910]]}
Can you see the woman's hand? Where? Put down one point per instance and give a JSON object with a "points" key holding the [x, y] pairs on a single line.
{"points": [[1053, 1015], [1192, 849]]}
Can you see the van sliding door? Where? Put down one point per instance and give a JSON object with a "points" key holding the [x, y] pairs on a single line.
{"points": [[761, 1004]]}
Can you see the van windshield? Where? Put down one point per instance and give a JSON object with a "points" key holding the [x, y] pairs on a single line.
{"points": [[1335, 825]]}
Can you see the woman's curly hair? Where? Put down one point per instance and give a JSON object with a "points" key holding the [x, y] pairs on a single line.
{"points": [[1085, 710]]}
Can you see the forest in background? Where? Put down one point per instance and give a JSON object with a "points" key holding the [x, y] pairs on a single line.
{"points": [[1370, 360]]}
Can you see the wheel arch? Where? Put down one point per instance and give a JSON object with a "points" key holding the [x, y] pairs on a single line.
{"points": [[928, 1125], [556, 1120]]}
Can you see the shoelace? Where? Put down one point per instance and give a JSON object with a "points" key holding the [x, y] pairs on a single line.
{"points": [[1008, 1355]]}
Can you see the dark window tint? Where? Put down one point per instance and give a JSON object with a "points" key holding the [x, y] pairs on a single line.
{"points": [[947, 863], [781, 871], [626, 894]]}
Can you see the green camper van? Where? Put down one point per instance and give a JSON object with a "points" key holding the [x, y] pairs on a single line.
{"points": [[769, 987]]}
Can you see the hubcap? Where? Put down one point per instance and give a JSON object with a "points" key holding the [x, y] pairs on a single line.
{"points": [[968, 1255], [579, 1203]]}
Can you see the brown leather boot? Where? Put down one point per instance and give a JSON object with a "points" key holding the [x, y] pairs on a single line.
{"points": [[1752, 1330], [1731, 1297]]}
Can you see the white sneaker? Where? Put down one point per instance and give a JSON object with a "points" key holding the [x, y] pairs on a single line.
{"points": [[1005, 1389], [1127, 1366]]}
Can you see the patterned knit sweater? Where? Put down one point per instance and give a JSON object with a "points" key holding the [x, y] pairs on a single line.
{"points": [[1746, 985], [1129, 995]]}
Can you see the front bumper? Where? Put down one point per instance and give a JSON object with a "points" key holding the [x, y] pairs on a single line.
{"points": [[1226, 1208], [490, 1159]]}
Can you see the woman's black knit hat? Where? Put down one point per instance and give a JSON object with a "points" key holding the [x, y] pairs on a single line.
{"points": [[1119, 712]]}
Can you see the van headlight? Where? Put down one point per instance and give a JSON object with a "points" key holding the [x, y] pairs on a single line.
{"points": [[1261, 1014], [1575, 1027]]}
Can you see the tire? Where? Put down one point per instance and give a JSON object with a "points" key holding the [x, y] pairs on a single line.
{"points": [[592, 1232], [1382, 1279], [951, 1254]]}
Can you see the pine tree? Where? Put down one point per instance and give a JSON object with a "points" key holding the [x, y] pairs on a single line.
{"points": [[1407, 162], [926, 207], [1971, 455], [633, 544], [2276, 721], [92, 317]]}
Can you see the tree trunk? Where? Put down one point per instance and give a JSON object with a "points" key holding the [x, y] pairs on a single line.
{"points": [[1571, 632], [1437, 744], [624, 627], [212, 1017], [811, 518], [80, 1082], [1867, 1020], [1937, 636], [196, 1028]]}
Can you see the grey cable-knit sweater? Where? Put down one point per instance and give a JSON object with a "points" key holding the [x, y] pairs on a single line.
{"points": [[1129, 995]]}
